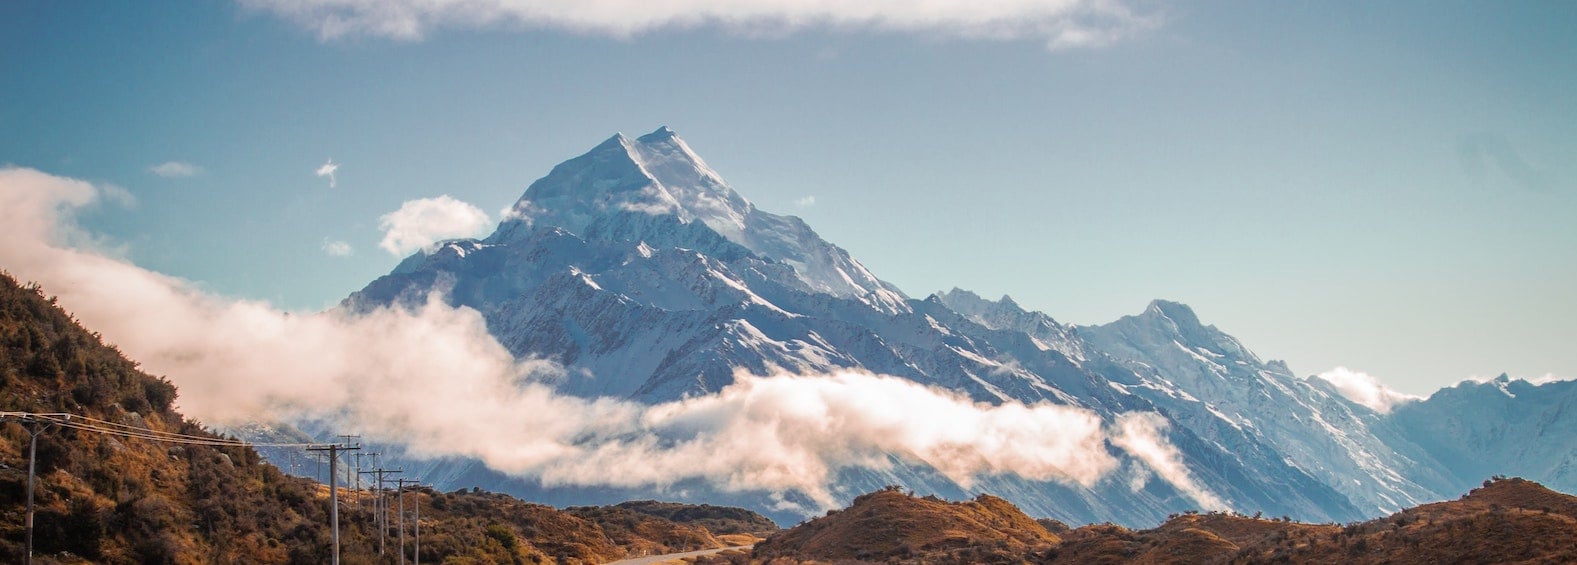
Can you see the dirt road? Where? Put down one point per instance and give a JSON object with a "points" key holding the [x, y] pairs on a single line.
{"points": [[652, 559]]}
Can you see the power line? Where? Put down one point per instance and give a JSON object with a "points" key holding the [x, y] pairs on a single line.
{"points": [[86, 423], [43, 421]]}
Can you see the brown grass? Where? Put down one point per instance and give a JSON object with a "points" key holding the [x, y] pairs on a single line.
{"points": [[1507, 521], [888, 524]]}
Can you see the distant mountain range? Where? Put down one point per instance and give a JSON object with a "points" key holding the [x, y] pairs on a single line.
{"points": [[649, 278]]}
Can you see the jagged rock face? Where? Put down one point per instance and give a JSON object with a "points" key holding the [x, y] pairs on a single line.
{"points": [[641, 271]]}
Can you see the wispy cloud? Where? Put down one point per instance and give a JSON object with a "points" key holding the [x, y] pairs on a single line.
{"points": [[1061, 24], [1482, 152], [327, 170], [337, 248], [237, 360], [175, 169], [1141, 435], [1364, 389], [1548, 378], [422, 222], [805, 202], [118, 195]]}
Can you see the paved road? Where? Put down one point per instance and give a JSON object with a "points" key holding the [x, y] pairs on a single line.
{"points": [[650, 559]]}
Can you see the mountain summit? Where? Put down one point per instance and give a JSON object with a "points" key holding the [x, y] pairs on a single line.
{"points": [[656, 173], [659, 175]]}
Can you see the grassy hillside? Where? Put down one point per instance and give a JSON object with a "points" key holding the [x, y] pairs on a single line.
{"points": [[122, 500], [890, 525], [105, 498], [720, 520], [1506, 521]]}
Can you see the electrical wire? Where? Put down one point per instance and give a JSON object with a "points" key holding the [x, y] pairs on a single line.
{"points": [[90, 424]]}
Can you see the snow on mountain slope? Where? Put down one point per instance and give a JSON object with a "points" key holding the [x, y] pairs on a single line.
{"points": [[1503, 426], [1005, 314], [1231, 391], [658, 174], [647, 277]]}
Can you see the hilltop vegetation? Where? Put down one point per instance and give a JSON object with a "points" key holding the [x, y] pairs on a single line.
{"points": [[121, 500], [104, 498], [1508, 520], [889, 525], [720, 520]]}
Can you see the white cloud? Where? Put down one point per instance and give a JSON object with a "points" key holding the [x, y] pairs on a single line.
{"points": [[422, 222], [432, 378], [1060, 23], [327, 170], [337, 248], [1364, 389], [795, 431], [805, 202], [175, 169], [1140, 434]]}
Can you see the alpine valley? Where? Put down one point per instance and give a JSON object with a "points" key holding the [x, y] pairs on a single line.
{"points": [[648, 278]]}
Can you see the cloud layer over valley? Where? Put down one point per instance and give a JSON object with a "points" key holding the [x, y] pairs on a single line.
{"points": [[433, 378]]}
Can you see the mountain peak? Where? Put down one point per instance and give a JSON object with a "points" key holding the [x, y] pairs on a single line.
{"points": [[1179, 313], [1164, 320], [662, 133], [658, 174]]}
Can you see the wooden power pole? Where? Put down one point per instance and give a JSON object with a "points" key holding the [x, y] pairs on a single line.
{"points": [[334, 450]]}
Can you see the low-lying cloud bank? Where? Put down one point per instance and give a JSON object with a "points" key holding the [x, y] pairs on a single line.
{"points": [[1061, 23], [433, 379]]}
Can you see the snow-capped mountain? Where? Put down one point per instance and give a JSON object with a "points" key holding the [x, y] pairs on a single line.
{"points": [[659, 176], [1230, 391], [1503, 426], [641, 271]]}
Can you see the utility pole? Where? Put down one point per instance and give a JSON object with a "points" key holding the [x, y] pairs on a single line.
{"points": [[345, 439], [417, 502], [334, 450], [380, 506], [32, 465], [32, 460], [399, 495], [374, 458]]}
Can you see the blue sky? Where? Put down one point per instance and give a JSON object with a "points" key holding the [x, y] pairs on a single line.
{"points": [[1386, 186]]}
